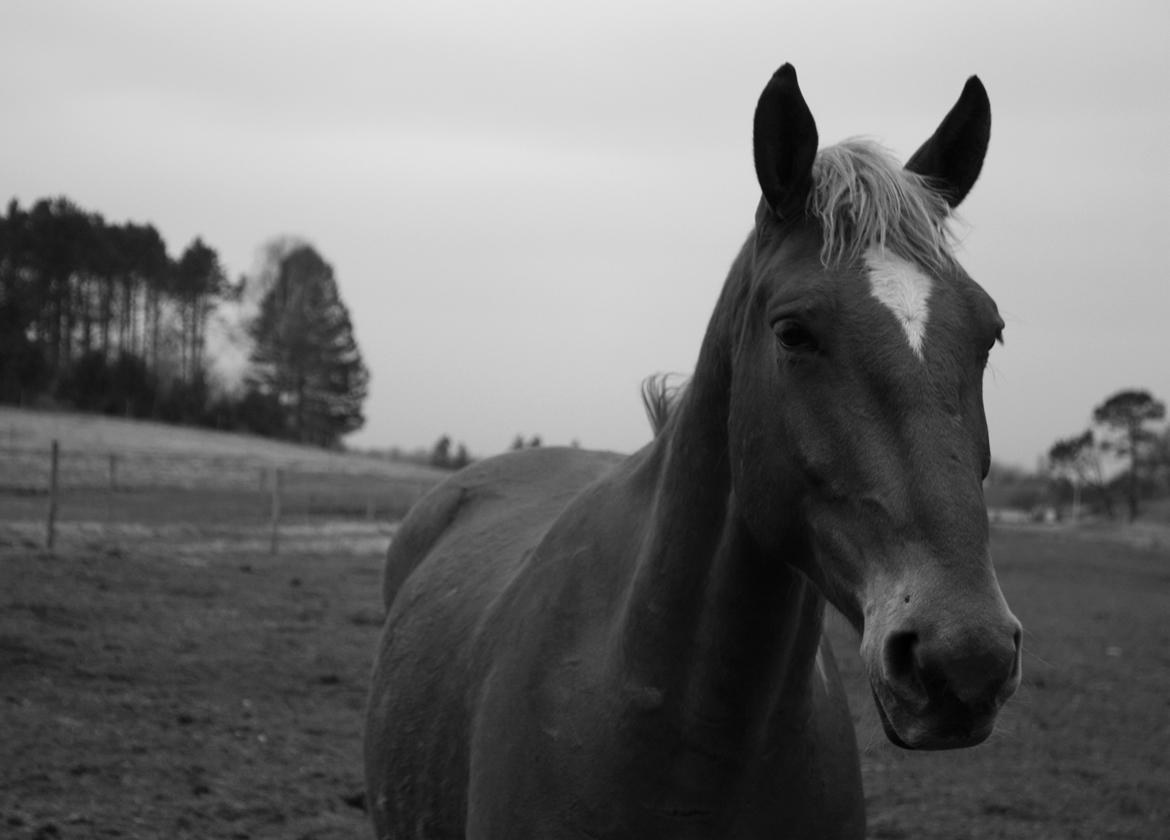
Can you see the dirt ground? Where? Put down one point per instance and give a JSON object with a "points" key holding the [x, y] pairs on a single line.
{"points": [[156, 694], [153, 692]]}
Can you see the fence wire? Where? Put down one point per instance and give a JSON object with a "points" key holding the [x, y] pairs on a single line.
{"points": [[163, 496]]}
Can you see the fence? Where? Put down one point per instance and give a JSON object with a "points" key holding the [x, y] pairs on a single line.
{"points": [[47, 491]]}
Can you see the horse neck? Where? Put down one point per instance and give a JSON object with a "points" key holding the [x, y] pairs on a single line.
{"points": [[710, 620]]}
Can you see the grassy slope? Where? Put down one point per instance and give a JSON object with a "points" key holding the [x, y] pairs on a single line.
{"points": [[31, 429]]}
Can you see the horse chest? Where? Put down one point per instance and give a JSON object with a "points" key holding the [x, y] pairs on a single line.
{"points": [[628, 771]]}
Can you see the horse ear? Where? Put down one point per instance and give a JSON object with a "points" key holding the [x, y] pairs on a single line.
{"points": [[784, 141], [953, 156]]}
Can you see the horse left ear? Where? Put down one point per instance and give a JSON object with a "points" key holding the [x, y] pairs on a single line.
{"points": [[953, 156]]}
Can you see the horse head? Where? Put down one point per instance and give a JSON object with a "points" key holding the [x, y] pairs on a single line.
{"points": [[857, 436]]}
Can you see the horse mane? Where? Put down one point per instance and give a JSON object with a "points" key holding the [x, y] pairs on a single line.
{"points": [[864, 198], [660, 394]]}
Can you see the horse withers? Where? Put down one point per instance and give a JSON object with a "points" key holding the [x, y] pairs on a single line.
{"points": [[584, 645]]}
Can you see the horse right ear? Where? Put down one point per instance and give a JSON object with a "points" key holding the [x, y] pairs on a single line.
{"points": [[953, 156], [784, 141]]}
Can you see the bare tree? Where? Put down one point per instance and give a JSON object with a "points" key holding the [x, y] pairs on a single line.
{"points": [[1124, 417], [1076, 460]]}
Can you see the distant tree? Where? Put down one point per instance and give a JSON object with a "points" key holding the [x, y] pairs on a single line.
{"points": [[1160, 461], [23, 368], [999, 473], [85, 302], [1076, 460], [1124, 417], [21, 359], [441, 453], [519, 442], [131, 386], [462, 458], [198, 280], [147, 275], [261, 414], [23, 363], [305, 353], [87, 384], [185, 402], [58, 242], [1027, 496]]}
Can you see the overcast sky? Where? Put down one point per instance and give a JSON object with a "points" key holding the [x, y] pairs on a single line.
{"points": [[532, 206]]}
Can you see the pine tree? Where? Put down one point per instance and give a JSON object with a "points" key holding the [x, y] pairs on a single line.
{"points": [[305, 353], [198, 279]]}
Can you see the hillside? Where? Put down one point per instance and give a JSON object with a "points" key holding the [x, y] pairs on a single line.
{"points": [[32, 429]]}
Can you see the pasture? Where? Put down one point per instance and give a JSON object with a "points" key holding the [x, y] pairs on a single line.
{"points": [[26, 428], [165, 690], [130, 480]]}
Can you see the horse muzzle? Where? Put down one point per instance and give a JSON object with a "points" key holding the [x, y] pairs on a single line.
{"points": [[941, 687]]}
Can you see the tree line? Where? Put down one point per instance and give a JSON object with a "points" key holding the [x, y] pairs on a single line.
{"points": [[99, 316], [1121, 433], [447, 455]]}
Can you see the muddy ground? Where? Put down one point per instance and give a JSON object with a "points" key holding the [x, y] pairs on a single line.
{"points": [[148, 692]]}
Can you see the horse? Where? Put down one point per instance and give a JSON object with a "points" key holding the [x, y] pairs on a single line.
{"points": [[584, 645]]}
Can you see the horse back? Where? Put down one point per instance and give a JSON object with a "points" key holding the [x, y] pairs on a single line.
{"points": [[527, 489]]}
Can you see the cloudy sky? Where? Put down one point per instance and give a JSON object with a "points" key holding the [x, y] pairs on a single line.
{"points": [[532, 206]]}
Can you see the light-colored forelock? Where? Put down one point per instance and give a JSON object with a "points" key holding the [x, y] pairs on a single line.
{"points": [[864, 199]]}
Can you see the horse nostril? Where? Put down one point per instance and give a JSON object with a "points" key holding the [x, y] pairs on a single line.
{"points": [[975, 669], [901, 667], [1018, 641]]}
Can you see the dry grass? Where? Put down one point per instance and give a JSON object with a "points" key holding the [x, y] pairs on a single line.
{"points": [[97, 435], [115, 473]]}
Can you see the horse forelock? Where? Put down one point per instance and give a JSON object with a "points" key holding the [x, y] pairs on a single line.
{"points": [[864, 199], [867, 204]]}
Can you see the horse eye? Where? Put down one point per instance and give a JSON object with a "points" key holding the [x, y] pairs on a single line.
{"points": [[794, 337], [985, 353]]}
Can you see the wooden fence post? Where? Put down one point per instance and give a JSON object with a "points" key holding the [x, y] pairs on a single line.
{"points": [[275, 513], [51, 517]]}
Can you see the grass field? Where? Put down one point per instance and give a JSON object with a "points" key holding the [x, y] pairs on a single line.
{"points": [[218, 694], [27, 429], [114, 473]]}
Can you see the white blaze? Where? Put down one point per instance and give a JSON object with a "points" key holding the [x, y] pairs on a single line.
{"points": [[904, 289]]}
